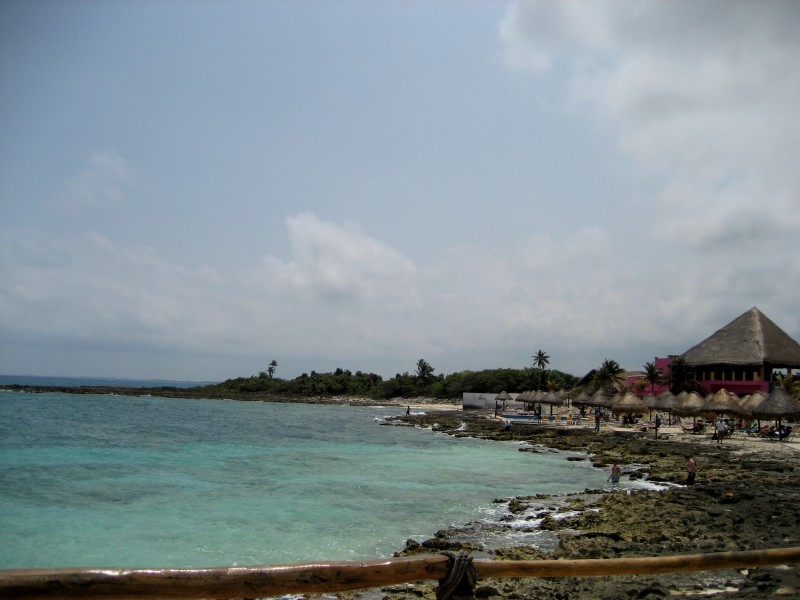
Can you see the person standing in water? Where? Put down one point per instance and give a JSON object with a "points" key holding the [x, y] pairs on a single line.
{"points": [[691, 470], [616, 473]]}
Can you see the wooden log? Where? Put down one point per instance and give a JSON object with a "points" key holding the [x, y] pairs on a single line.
{"points": [[634, 566], [225, 582], [265, 581]]}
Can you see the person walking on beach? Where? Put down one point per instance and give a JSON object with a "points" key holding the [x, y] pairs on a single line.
{"points": [[691, 470], [616, 473], [657, 424], [720, 430], [408, 410], [597, 420]]}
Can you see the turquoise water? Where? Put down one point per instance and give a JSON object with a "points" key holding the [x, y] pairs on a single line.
{"points": [[115, 481]]}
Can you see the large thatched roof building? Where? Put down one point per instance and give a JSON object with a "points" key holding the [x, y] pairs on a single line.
{"points": [[741, 356]]}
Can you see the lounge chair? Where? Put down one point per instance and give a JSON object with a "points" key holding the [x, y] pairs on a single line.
{"points": [[693, 428], [751, 431]]}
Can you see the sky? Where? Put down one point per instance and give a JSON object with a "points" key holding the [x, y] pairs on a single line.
{"points": [[191, 189]]}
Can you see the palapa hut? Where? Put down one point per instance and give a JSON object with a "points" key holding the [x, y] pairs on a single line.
{"points": [[740, 357], [723, 402], [582, 399], [778, 405], [629, 404], [552, 399], [599, 399], [666, 401], [503, 397], [750, 402]]}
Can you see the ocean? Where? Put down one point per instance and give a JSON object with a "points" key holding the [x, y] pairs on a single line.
{"points": [[95, 381], [143, 482]]}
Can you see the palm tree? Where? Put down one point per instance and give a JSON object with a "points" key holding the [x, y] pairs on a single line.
{"points": [[609, 376], [653, 374], [540, 361], [790, 385], [424, 371], [681, 375], [273, 364]]}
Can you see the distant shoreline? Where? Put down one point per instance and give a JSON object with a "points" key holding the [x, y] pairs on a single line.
{"points": [[203, 393]]}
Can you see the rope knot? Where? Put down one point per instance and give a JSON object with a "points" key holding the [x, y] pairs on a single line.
{"points": [[459, 584]]}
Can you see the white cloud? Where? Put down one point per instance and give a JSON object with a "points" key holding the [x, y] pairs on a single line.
{"points": [[701, 95], [335, 264], [342, 292], [102, 183], [344, 298]]}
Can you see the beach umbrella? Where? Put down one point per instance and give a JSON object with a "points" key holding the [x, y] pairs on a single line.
{"points": [[599, 399], [778, 405], [723, 402], [582, 399], [666, 402], [526, 397], [503, 397], [691, 405], [749, 403], [651, 402], [552, 399], [629, 404]]}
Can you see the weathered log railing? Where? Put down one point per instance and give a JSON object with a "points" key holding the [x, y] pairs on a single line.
{"points": [[267, 581]]}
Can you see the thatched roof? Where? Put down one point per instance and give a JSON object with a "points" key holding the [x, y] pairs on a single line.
{"points": [[691, 405], [751, 339], [667, 401], [551, 398], [629, 404], [582, 399], [777, 405], [723, 401]]}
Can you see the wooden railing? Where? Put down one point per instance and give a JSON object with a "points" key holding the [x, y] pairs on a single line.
{"points": [[267, 581]]}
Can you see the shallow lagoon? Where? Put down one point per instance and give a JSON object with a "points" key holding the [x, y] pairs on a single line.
{"points": [[151, 482]]}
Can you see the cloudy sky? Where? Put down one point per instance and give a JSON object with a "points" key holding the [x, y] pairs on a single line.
{"points": [[190, 189]]}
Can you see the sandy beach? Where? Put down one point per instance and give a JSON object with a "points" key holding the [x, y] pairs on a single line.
{"points": [[747, 497]]}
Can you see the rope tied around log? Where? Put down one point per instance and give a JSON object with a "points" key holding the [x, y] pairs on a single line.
{"points": [[459, 584]]}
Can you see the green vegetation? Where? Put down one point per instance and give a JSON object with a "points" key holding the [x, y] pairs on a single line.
{"points": [[540, 360], [422, 383], [653, 375], [609, 377]]}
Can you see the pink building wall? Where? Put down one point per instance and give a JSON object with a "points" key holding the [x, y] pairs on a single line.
{"points": [[741, 388]]}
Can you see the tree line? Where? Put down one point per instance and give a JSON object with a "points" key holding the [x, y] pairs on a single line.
{"points": [[424, 382]]}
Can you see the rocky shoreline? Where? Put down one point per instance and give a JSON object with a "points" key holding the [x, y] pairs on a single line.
{"points": [[744, 499]]}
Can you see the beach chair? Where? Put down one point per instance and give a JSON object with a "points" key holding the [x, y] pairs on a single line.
{"points": [[693, 428], [751, 431]]}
